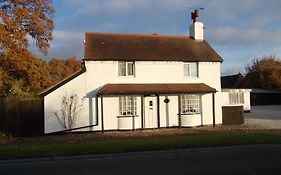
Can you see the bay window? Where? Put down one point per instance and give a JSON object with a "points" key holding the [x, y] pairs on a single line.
{"points": [[190, 104], [127, 105]]}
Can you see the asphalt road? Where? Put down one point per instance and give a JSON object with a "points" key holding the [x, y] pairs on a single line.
{"points": [[258, 159]]}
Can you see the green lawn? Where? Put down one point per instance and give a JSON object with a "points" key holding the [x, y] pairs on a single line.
{"points": [[141, 144]]}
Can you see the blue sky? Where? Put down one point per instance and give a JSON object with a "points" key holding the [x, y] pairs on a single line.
{"points": [[239, 30]]}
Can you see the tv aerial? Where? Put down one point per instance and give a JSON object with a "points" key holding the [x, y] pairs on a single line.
{"points": [[195, 14]]}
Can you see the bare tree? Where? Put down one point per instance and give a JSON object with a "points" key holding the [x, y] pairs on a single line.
{"points": [[70, 107]]}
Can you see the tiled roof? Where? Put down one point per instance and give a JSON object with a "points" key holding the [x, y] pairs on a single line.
{"points": [[140, 47], [135, 89]]}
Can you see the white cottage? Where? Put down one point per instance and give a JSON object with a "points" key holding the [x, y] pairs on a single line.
{"points": [[139, 81]]}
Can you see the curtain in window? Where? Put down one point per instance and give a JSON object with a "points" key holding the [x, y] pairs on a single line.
{"points": [[236, 98], [190, 69], [190, 104], [130, 67], [122, 68], [127, 105]]}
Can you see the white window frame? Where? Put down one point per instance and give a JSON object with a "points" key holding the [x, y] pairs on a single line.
{"points": [[236, 98], [127, 105], [127, 70], [188, 69], [190, 104]]}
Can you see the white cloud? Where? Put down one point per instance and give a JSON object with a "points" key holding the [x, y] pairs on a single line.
{"points": [[245, 36], [241, 30], [65, 35], [65, 44]]}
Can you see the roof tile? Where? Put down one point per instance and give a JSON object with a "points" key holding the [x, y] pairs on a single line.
{"points": [[135, 89], [141, 47]]}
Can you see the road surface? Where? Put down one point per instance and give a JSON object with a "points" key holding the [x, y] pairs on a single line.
{"points": [[257, 159]]}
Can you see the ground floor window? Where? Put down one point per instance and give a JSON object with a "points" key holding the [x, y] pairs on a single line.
{"points": [[127, 105], [236, 98], [190, 104]]}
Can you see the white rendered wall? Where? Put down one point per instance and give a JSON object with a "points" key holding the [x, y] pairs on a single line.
{"points": [[207, 109], [247, 102], [99, 73], [52, 104], [169, 111]]}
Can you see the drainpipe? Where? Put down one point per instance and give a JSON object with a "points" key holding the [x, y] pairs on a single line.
{"points": [[214, 110], [179, 108], [142, 113], [158, 111], [102, 124]]}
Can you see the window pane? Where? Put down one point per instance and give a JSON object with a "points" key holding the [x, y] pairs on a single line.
{"points": [[193, 69], [128, 105], [122, 68], [130, 67], [241, 98], [236, 98], [190, 69], [190, 104], [186, 70]]}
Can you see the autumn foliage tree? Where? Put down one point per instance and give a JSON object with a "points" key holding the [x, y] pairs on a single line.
{"points": [[20, 22], [59, 69], [20, 19], [21, 73], [264, 72], [24, 75]]}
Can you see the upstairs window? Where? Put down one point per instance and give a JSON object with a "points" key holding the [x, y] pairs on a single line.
{"points": [[190, 69], [236, 98], [126, 68], [190, 104], [127, 105]]}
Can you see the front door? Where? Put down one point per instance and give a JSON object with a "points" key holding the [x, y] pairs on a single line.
{"points": [[150, 119]]}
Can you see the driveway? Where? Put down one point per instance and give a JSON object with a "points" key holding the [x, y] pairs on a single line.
{"points": [[264, 117]]}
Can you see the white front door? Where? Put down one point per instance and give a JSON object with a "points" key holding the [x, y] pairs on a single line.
{"points": [[150, 119]]}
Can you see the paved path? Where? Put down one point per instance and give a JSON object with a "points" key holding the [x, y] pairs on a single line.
{"points": [[264, 117], [257, 159]]}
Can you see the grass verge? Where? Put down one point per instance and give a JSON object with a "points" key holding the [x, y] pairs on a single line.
{"points": [[142, 144]]}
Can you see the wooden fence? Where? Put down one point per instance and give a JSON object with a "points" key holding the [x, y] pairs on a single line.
{"points": [[232, 115], [22, 117]]}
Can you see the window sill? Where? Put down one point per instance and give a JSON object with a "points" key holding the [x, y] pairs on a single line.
{"points": [[131, 76], [189, 114], [126, 116], [187, 77]]}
